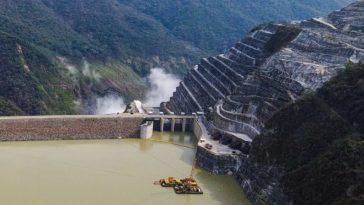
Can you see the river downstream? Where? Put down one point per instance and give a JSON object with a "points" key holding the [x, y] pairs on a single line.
{"points": [[107, 172]]}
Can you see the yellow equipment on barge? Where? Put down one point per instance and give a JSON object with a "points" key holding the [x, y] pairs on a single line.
{"points": [[187, 189], [169, 182], [187, 185]]}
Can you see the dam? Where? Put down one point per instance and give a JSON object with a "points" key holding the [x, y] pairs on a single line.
{"points": [[76, 127], [109, 171]]}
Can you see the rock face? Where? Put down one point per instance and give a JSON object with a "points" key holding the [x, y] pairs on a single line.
{"points": [[271, 67], [312, 150]]}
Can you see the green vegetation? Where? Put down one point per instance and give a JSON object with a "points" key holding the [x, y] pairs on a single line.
{"points": [[215, 25], [136, 29], [30, 83], [123, 77], [96, 30], [121, 41], [9, 108], [319, 142]]}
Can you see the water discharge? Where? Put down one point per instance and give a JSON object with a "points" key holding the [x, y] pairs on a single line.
{"points": [[107, 172]]}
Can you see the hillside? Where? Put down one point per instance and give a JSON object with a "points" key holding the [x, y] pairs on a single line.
{"points": [[108, 47], [97, 30], [31, 83], [318, 142], [272, 67], [216, 25]]}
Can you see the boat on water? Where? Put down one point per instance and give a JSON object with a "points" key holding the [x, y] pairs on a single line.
{"points": [[189, 181], [187, 185], [187, 189], [169, 182]]}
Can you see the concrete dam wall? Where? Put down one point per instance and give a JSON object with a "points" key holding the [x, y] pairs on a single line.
{"points": [[69, 127]]}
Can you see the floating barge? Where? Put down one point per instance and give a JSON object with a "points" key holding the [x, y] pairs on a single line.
{"points": [[181, 186], [186, 189], [169, 182]]}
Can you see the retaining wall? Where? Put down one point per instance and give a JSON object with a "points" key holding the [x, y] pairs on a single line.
{"points": [[69, 127], [215, 163]]}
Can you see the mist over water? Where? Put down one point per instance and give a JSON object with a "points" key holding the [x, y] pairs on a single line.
{"points": [[109, 104], [162, 86]]}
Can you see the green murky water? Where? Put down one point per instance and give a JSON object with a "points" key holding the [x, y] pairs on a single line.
{"points": [[107, 172]]}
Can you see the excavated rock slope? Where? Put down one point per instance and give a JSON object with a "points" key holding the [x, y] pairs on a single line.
{"points": [[311, 152], [269, 68], [273, 66]]}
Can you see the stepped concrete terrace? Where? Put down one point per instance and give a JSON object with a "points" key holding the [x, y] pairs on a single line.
{"points": [[274, 65]]}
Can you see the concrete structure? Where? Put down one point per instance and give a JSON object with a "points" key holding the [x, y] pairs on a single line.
{"points": [[184, 121], [172, 122], [146, 130], [80, 126], [199, 129], [218, 158], [161, 124], [69, 127]]}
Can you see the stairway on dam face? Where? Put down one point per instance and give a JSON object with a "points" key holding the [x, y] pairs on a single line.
{"points": [[272, 66]]}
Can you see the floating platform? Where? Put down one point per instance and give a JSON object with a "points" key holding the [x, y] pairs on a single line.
{"points": [[181, 186], [169, 182], [186, 189]]}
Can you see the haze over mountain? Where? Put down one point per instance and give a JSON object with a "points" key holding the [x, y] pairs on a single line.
{"points": [[65, 54]]}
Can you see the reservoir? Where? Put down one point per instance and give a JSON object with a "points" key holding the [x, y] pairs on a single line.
{"points": [[107, 172]]}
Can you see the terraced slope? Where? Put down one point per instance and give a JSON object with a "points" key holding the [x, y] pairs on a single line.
{"points": [[271, 67], [311, 152]]}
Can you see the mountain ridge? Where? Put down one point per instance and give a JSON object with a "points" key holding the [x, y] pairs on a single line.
{"points": [[120, 42]]}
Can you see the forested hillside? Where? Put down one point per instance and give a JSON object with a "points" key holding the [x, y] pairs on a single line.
{"points": [[30, 83], [92, 48], [318, 142], [213, 25]]}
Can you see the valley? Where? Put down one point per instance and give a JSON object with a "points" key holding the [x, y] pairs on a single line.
{"points": [[270, 93], [120, 42]]}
